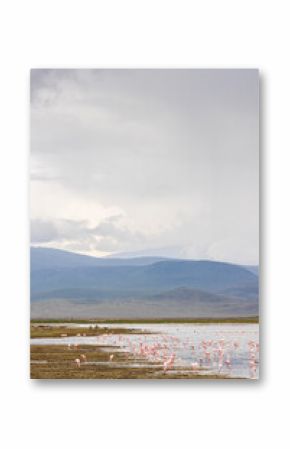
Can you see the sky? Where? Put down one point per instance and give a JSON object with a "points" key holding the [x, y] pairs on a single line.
{"points": [[146, 162]]}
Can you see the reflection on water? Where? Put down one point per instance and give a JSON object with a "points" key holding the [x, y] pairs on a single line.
{"points": [[226, 349]]}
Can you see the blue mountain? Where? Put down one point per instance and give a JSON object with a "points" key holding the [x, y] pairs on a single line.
{"points": [[59, 274]]}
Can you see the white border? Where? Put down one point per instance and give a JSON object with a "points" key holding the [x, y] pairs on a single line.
{"points": [[144, 34]]}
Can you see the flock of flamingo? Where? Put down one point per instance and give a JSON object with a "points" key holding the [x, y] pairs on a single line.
{"points": [[216, 355]]}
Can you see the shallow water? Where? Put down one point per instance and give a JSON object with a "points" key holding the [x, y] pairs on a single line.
{"points": [[227, 349]]}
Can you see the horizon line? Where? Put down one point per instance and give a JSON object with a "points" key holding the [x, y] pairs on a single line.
{"points": [[115, 255]]}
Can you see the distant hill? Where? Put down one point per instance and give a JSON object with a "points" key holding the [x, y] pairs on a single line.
{"points": [[180, 302], [177, 303], [252, 268], [77, 282], [42, 258]]}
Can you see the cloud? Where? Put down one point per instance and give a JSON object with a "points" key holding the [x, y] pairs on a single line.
{"points": [[42, 231], [109, 235], [173, 152]]}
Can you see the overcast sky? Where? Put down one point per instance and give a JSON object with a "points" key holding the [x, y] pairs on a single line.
{"points": [[146, 161]]}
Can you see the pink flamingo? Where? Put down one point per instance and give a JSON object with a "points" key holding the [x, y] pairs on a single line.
{"points": [[228, 362], [77, 362], [194, 366]]}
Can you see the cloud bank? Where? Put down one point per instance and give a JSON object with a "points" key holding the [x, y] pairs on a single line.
{"points": [[134, 160]]}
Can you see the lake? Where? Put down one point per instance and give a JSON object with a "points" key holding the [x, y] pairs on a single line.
{"points": [[226, 349]]}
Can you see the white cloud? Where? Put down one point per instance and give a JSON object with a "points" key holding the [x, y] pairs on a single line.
{"points": [[173, 154]]}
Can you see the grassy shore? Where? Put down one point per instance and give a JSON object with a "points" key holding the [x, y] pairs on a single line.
{"points": [[101, 362], [238, 320], [57, 362], [44, 330]]}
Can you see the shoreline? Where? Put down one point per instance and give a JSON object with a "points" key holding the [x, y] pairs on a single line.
{"points": [[107, 360], [233, 320], [102, 361], [58, 362]]}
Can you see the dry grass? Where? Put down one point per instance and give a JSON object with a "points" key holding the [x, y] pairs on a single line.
{"points": [[57, 362], [47, 331]]}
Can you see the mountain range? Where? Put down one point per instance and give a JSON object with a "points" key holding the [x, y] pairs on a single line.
{"points": [[65, 284]]}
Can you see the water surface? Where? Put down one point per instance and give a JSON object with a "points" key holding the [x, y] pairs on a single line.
{"points": [[227, 349]]}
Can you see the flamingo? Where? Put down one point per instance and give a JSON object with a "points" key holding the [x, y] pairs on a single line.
{"points": [[228, 362], [77, 362], [194, 366]]}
